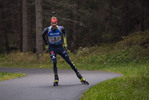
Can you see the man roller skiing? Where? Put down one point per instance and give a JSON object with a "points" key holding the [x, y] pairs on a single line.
{"points": [[55, 34]]}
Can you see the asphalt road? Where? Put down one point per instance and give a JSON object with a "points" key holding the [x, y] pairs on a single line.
{"points": [[38, 84]]}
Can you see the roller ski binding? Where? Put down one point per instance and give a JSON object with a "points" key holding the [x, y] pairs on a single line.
{"points": [[55, 83], [82, 79], [56, 80]]}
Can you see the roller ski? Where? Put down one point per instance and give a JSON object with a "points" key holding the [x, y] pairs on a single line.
{"points": [[82, 79], [56, 80], [55, 83]]}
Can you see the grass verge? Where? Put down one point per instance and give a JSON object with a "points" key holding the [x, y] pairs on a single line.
{"points": [[134, 85], [7, 76]]}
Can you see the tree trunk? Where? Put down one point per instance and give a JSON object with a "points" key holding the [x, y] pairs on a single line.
{"points": [[126, 18], [25, 25], [6, 22], [142, 16], [39, 40], [110, 15], [74, 36], [20, 26], [75, 40]]}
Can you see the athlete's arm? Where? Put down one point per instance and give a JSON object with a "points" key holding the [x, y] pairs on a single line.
{"points": [[64, 36], [44, 33]]}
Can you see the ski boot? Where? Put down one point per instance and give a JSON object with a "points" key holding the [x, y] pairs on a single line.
{"points": [[55, 83], [56, 80], [82, 79]]}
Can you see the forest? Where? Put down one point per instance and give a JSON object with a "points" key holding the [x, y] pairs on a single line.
{"points": [[87, 22], [110, 36]]}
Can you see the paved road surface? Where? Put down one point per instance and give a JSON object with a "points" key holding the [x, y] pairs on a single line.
{"points": [[38, 84]]}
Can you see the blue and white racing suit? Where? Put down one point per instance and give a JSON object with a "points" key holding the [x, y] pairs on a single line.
{"points": [[55, 46]]}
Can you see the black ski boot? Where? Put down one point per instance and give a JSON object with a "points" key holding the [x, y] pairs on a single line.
{"points": [[82, 79], [56, 80]]}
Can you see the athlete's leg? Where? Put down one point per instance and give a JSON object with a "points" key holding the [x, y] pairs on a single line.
{"points": [[65, 55], [53, 57]]}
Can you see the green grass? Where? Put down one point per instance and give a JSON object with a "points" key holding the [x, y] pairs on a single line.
{"points": [[133, 85], [7, 76]]}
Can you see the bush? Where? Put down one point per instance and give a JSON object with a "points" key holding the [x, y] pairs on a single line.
{"points": [[135, 39], [132, 48]]}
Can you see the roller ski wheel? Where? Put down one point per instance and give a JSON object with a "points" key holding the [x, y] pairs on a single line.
{"points": [[55, 83], [84, 81]]}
